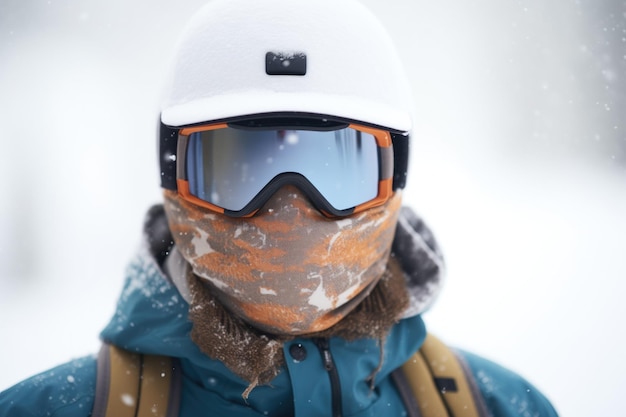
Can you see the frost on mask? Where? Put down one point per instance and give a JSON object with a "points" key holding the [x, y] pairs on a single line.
{"points": [[289, 269]]}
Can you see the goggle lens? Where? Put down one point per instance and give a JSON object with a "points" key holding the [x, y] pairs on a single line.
{"points": [[227, 168]]}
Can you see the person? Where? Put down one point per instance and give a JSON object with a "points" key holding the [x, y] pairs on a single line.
{"points": [[281, 271]]}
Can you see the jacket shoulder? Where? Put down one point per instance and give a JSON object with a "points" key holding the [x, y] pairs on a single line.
{"points": [[506, 393], [64, 391]]}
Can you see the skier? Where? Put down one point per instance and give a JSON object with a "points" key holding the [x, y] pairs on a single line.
{"points": [[281, 275]]}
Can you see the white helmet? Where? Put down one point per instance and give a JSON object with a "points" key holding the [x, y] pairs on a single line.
{"points": [[246, 57]]}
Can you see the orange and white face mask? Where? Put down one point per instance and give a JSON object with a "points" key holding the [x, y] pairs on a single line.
{"points": [[289, 269]]}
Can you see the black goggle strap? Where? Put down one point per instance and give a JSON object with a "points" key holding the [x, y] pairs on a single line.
{"points": [[168, 143], [400, 159]]}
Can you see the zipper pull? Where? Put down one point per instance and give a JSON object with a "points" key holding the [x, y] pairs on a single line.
{"points": [[335, 385], [324, 347]]}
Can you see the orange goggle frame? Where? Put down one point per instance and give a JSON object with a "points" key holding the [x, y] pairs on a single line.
{"points": [[234, 167]]}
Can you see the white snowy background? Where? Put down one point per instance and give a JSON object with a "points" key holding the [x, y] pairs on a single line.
{"points": [[519, 166]]}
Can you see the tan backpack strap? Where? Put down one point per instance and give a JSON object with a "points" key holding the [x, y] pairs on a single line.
{"points": [[117, 384], [436, 382], [422, 386], [160, 387], [134, 385], [453, 382]]}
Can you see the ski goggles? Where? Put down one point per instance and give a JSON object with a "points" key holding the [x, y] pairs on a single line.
{"points": [[234, 167]]}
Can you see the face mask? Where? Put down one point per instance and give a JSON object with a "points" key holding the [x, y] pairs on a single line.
{"points": [[289, 269]]}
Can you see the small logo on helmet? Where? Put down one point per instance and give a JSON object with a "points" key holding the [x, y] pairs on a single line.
{"points": [[285, 63]]}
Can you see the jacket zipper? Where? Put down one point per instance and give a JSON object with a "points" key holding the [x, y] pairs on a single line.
{"points": [[335, 385]]}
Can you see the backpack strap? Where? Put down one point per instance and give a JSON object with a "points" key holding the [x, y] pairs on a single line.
{"points": [[135, 385], [439, 382]]}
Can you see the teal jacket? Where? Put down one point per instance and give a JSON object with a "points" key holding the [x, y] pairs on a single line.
{"points": [[151, 317]]}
